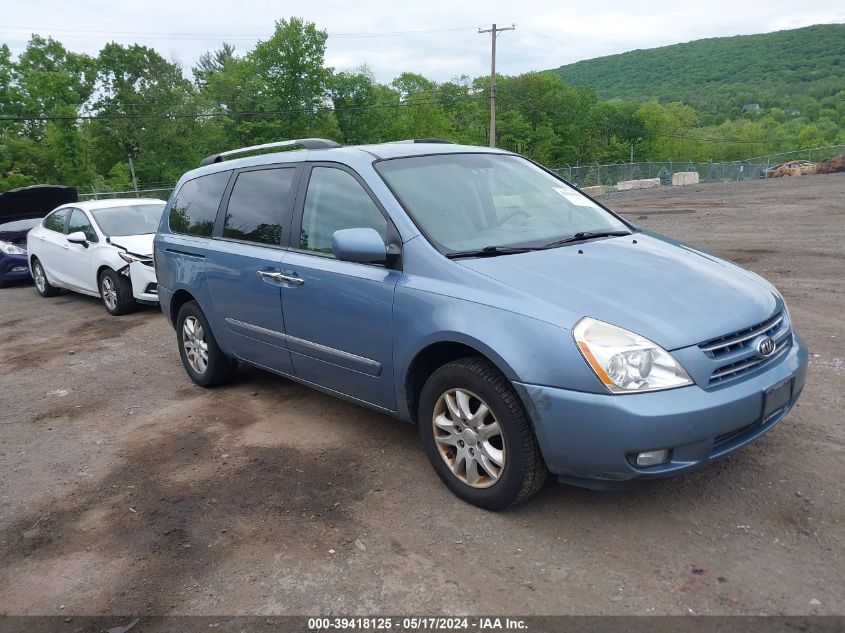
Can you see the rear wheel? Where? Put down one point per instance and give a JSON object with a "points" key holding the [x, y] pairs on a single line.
{"points": [[116, 292], [202, 358], [44, 287], [477, 437]]}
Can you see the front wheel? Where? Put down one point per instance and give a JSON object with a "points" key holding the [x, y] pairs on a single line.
{"points": [[116, 292], [477, 437], [202, 358]]}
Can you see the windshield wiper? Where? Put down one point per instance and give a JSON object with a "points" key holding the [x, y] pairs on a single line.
{"points": [[585, 235], [490, 251]]}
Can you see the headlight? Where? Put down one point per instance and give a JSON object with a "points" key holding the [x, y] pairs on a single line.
{"points": [[129, 258], [626, 362], [11, 249]]}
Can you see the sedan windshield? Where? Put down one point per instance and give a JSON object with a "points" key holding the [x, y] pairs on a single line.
{"points": [[136, 219], [468, 202]]}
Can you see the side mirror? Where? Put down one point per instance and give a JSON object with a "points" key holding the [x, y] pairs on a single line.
{"points": [[78, 237], [363, 246]]}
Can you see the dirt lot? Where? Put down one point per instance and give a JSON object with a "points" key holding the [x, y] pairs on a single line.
{"points": [[126, 489]]}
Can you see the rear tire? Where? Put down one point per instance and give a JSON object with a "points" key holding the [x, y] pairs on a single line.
{"points": [[202, 358], [116, 293], [42, 285], [477, 436]]}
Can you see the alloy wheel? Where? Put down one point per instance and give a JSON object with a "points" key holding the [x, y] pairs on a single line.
{"points": [[195, 345], [109, 293], [469, 438], [40, 279]]}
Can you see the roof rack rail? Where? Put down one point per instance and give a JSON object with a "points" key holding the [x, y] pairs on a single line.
{"points": [[425, 140], [307, 143]]}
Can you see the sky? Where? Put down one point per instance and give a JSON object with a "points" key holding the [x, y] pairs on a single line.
{"points": [[437, 38]]}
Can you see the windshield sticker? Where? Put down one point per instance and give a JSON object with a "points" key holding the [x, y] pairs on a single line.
{"points": [[576, 198]]}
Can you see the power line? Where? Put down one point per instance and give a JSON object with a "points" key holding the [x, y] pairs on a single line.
{"points": [[233, 114], [217, 36], [559, 41]]}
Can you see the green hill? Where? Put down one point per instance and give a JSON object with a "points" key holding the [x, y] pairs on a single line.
{"points": [[780, 69]]}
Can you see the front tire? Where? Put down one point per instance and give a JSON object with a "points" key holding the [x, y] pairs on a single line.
{"points": [[42, 285], [477, 437], [116, 293], [202, 358]]}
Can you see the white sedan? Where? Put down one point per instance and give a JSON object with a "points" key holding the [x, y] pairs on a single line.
{"points": [[100, 248]]}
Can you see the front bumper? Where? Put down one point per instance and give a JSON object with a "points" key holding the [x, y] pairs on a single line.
{"points": [[586, 437], [144, 285], [13, 267]]}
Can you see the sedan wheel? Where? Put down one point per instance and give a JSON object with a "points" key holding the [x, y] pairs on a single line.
{"points": [[196, 347], [42, 284], [469, 438], [40, 279], [109, 293]]}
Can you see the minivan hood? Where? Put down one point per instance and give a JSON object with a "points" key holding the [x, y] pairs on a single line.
{"points": [[666, 291], [136, 244]]}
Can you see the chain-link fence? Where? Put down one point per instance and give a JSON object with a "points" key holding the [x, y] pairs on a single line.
{"points": [[748, 169], [594, 174], [162, 193]]}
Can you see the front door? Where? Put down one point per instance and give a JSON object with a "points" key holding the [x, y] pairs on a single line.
{"points": [[338, 315], [77, 261], [244, 265]]}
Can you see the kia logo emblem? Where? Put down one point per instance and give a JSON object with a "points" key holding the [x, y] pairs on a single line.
{"points": [[765, 347]]}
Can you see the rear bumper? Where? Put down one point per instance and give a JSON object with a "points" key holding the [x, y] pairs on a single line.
{"points": [[587, 436], [13, 267]]}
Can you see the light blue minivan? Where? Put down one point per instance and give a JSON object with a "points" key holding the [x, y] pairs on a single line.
{"points": [[521, 325]]}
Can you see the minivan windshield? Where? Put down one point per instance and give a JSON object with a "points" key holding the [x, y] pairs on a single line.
{"points": [[469, 202], [136, 219]]}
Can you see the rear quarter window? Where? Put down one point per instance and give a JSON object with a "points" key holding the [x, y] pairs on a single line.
{"points": [[195, 208]]}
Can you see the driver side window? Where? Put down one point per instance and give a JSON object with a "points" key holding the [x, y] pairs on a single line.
{"points": [[334, 201], [79, 222]]}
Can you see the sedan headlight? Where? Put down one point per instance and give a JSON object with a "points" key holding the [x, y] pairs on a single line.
{"points": [[11, 249], [626, 362], [129, 258]]}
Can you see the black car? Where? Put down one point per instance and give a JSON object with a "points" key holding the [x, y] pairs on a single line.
{"points": [[20, 210]]}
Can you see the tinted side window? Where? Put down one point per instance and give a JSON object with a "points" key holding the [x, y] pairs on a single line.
{"points": [[334, 201], [195, 208], [256, 204], [56, 220], [79, 222]]}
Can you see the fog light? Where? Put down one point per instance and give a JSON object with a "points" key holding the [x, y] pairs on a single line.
{"points": [[653, 458], [19, 269]]}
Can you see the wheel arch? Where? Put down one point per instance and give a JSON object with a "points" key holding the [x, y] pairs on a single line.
{"points": [[179, 298], [438, 353]]}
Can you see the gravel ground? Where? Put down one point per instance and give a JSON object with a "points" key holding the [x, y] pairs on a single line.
{"points": [[126, 489]]}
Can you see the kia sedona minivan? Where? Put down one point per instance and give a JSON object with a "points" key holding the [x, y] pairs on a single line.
{"points": [[522, 326]]}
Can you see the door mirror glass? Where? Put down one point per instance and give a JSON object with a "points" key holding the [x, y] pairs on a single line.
{"points": [[77, 237], [364, 246]]}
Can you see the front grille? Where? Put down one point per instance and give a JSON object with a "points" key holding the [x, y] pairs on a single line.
{"points": [[738, 352]]}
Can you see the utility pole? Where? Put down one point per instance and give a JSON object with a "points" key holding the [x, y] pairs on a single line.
{"points": [[132, 171], [493, 31]]}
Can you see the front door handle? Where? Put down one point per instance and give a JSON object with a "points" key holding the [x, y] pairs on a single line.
{"points": [[266, 274], [296, 281]]}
